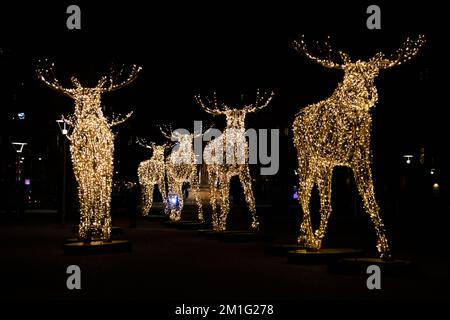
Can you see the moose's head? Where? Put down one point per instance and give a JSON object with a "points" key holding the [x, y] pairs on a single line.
{"points": [[158, 150], [235, 117], [359, 75], [87, 99]]}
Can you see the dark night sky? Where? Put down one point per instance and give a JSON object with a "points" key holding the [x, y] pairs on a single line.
{"points": [[230, 48]]}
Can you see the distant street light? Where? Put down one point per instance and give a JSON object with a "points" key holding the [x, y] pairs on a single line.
{"points": [[18, 147], [63, 126], [408, 158]]}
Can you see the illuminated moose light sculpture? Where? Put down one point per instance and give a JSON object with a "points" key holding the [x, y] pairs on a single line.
{"points": [[336, 132], [181, 167], [152, 172], [92, 150], [227, 156]]}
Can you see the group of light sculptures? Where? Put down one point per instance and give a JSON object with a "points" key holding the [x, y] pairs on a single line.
{"points": [[333, 132], [177, 168], [225, 156]]}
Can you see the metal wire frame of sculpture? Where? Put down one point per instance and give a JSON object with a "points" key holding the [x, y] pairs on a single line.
{"points": [[92, 149], [226, 156], [336, 132]]}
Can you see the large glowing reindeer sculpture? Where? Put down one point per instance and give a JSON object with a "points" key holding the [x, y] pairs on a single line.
{"points": [[181, 168], [92, 150], [227, 156], [151, 172], [336, 132]]}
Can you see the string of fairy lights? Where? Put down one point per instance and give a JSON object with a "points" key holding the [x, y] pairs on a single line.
{"points": [[232, 146], [336, 132], [92, 149]]}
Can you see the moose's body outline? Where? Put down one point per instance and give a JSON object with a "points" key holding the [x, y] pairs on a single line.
{"points": [[336, 132], [226, 156], [92, 151], [152, 172], [181, 167]]}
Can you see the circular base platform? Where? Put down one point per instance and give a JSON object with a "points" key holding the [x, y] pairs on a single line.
{"points": [[97, 247], [322, 256], [71, 240], [154, 217], [230, 235], [115, 231], [211, 234], [192, 225], [205, 232], [240, 236], [282, 249], [171, 224], [359, 266]]}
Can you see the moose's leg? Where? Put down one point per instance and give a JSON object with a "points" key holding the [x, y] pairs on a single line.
{"points": [[83, 177], [225, 201], [143, 198], [196, 189], [84, 198], [105, 207], [212, 175], [246, 181], [96, 194], [143, 188], [306, 183], [106, 227], [324, 185], [147, 198], [363, 177], [171, 189], [84, 226], [180, 201], [106, 180]]}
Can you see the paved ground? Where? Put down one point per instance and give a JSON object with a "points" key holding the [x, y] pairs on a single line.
{"points": [[172, 265]]}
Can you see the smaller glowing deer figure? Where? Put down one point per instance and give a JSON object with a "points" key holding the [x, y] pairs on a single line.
{"points": [[227, 156], [152, 172], [181, 167], [336, 132], [92, 150]]}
